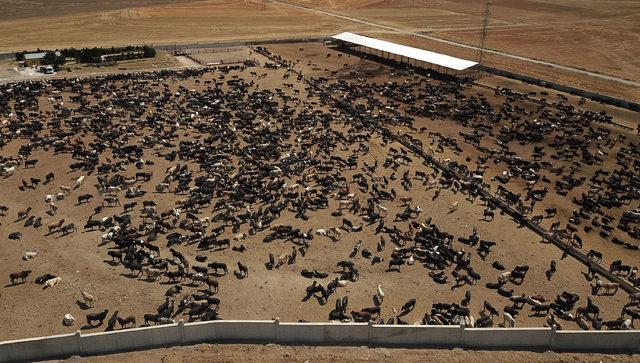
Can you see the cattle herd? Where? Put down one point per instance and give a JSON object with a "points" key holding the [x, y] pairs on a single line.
{"points": [[204, 182]]}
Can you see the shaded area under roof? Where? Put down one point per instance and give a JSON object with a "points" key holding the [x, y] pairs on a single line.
{"points": [[405, 51]]}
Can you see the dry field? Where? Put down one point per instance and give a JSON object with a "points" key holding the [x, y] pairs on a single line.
{"points": [[81, 260], [157, 23], [595, 35], [599, 36]]}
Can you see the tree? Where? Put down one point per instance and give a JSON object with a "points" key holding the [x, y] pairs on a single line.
{"points": [[148, 52], [70, 53], [49, 57], [53, 59]]}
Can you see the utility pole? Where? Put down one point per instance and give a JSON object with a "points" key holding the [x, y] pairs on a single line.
{"points": [[483, 35]]}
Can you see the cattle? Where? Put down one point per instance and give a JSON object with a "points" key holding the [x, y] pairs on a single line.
{"points": [[267, 161], [22, 275], [215, 266], [99, 317]]}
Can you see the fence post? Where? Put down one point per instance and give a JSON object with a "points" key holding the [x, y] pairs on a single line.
{"points": [[78, 339], [277, 324], [181, 325], [369, 332], [461, 341], [552, 337]]}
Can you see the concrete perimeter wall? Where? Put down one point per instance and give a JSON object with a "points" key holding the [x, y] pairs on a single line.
{"points": [[236, 331]]}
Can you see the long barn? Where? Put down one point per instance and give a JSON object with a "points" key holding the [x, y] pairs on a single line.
{"points": [[416, 57]]}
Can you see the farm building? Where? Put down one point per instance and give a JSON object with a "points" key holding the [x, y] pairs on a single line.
{"points": [[32, 59], [416, 57]]}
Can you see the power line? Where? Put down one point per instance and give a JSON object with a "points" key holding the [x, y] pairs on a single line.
{"points": [[483, 35]]}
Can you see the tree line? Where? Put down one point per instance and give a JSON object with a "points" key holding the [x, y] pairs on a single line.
{"points": [[93, 55]]}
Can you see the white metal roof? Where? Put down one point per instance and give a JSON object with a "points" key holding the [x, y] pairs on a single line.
{"points": [[409, 52], [34, 55], [38, 55]]}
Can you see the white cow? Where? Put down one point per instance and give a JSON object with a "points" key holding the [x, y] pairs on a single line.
{"points": [[79, 181]]}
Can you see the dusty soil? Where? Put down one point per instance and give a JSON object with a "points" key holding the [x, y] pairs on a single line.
{"points": [[321, 65], [228, 55], [276, 353], [81, 259]]}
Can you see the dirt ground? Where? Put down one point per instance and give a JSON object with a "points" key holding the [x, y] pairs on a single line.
{"points": [[277, 353], [81, 260], [320, 64], [600, 36], [221, 56]]}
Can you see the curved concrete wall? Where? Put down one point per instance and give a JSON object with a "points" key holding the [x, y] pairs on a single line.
{"points": [[40, 348], [416, 335], [130, 339], [595, 341], [508, 338], [321, 333], [316, 334]]}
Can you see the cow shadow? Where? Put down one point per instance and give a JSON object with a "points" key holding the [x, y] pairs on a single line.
{"points": [[548, 274], [587, 276], [239, 276], [516, 282], [90, 327], [130, 275], [148, 279], [403, 313], [168, 282], [82, 305]]}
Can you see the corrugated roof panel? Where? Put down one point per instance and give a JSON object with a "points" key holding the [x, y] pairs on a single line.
{"points": [[409, 52], [34, 55], [38, 55]]}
